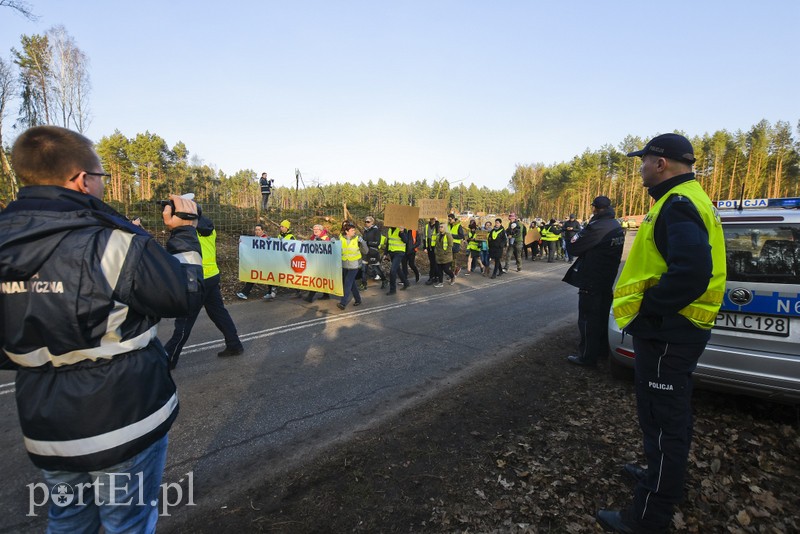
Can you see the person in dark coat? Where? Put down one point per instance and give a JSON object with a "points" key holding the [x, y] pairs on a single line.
{"points": [[497, 244], [599, 250]]}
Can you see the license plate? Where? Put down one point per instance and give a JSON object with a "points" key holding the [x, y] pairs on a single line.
{"points": [[760, 324]]}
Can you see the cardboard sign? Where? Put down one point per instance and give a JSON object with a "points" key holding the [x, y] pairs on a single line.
{"points": [[432, 207], [398, 216], [532, 235], [481, 235]]}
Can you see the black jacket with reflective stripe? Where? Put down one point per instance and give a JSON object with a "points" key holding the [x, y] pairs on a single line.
{"points": [[81, 293]]}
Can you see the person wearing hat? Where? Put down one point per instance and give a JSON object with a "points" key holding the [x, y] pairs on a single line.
{"points": [[598, 248], [570, 227], [667, 298], [515, 234], [550, 236]]}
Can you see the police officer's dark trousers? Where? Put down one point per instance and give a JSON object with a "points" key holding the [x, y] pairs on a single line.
{"points": [[212, 302], [593, 309], [663, 400]]}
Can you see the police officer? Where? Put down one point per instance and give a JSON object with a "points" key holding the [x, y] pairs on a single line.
{"points": [[666, 298], [571, 227], [599, 249]]}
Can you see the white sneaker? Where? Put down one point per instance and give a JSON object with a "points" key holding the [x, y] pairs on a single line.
{"points": [[452, 280], [438, 284], [241, 296], [269, 296], [377, 277]]}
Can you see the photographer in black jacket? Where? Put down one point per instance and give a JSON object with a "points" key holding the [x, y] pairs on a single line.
{"points": [[83, 291], [598, 247]]}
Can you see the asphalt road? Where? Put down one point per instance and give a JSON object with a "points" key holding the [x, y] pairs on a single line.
{"points": [[313, 375]]}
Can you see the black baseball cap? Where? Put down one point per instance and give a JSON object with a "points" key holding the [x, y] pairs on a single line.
{"points": [[601, 202], [672, 146]]}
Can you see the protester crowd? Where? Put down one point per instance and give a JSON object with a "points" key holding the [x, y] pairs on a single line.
{"points": [[389, 254]]}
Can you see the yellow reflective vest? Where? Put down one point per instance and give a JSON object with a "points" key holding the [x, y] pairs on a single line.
{"points": [[454, 230], [396, 243], [350, 250], [473, 243], [547, 235], [208, 247], [645, 264]]}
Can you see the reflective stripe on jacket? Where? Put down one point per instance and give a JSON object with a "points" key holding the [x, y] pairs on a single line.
{"points": [[648, 264]]}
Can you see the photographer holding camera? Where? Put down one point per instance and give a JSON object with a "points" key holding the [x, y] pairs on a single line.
{"points": [[266, 190], [83, 292]]}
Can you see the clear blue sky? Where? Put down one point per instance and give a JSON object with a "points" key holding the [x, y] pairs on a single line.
{"points": [[412, 90]]}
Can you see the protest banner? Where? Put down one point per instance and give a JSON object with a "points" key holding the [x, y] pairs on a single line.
{"points": [[308, 265], [481, 235], [432, 208], [397, 216]]}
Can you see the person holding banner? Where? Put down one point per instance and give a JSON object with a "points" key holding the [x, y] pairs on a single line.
{"points": [[396, 247], [353, 248], [244, 294], [319, 234]]}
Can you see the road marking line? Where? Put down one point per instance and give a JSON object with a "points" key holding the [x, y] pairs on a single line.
{"points": [[198, 347]]}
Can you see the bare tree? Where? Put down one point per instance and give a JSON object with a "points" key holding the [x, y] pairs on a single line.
{"points": [[8, 88], [21, 7], [69, 79]]}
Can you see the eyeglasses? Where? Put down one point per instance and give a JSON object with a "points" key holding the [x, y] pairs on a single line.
{"points": [[105, 175]]}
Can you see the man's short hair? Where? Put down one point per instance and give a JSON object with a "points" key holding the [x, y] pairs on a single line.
{"points": [[50, 155]]}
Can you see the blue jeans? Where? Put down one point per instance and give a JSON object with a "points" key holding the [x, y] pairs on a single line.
{"points": [[131, 508], [350, 286]]}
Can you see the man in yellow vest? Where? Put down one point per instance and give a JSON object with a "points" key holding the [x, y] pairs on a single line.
{"points": [[397, 243], [212, 302], [667, 298]]}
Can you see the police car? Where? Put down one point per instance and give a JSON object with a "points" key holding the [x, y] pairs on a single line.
{"points": [[755, 344]]}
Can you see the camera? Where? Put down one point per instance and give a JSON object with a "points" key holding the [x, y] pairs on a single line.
{"points": [[180, 214]]}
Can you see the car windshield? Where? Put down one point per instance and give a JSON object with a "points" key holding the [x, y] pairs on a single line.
{"points": [[759, 252]]}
